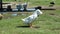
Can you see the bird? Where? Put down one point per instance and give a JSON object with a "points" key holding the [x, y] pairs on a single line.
{"points": [[28, 20]]}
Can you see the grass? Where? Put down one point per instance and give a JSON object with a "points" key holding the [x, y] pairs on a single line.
{"points": [[35, 2], [49, 22]]}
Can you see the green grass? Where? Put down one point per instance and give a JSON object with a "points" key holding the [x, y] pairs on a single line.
{"points": [[35, 2], [49, 24]]}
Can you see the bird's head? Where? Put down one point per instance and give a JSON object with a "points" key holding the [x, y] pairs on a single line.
{"points": [[38, 12]]}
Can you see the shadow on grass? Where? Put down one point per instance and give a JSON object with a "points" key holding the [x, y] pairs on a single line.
{"points": [[52, 14], [22, 26], [27, 26], [55, 29]]}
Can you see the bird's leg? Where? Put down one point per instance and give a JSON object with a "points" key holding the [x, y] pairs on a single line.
{"points": [[30, 25]]}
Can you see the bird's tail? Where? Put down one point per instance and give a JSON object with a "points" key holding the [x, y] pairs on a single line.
{"points": [[23, 19]]}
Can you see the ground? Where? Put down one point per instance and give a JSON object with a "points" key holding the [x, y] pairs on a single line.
{"points": [[48, 22]]}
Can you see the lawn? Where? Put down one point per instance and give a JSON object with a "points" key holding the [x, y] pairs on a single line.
{"points": [[48, 22]]}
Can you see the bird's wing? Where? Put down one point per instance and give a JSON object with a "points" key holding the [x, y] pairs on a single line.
{"points": [[28, 19]]}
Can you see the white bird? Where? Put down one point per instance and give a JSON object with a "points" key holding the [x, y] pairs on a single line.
{"points": [[29, 19]]}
